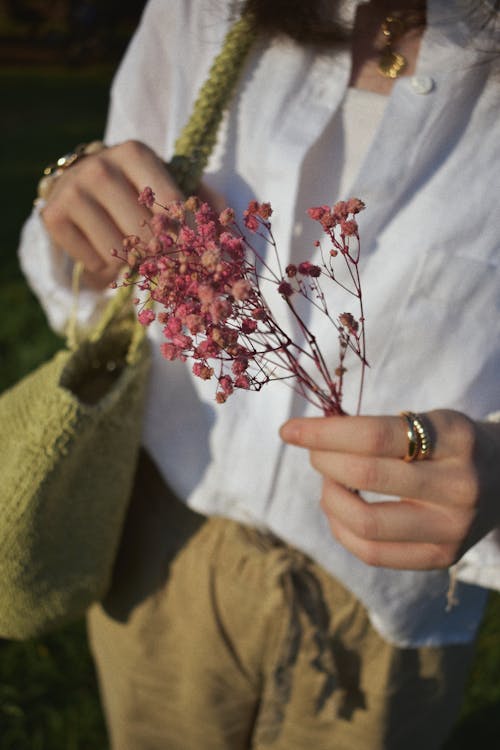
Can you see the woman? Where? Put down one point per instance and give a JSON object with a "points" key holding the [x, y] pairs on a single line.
{"points": [[284, 622]]}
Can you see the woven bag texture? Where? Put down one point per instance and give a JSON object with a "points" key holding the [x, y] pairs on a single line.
{"points": [[66, 469]]}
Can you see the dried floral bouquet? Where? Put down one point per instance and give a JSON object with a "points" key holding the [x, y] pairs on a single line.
{"points": [[204, 275]]}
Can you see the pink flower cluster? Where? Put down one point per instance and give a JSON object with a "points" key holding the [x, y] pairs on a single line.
{"points": [[201, 271]]}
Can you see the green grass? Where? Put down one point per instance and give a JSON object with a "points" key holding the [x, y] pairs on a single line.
{"points": [[479, 722], [48, 689], [48, 692], [45, 112]]}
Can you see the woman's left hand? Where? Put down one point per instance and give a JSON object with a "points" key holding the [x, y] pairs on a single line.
{"points": [[446, 503]]}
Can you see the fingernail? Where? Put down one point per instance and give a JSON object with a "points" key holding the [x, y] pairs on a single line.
{"points": [[289, 432]]}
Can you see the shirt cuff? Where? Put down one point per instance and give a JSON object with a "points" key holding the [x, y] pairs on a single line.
{"points": [[48, 270]]}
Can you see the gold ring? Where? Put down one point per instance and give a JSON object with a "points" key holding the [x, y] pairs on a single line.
{"points": [[52, 173], [419, 437], [413, 437], [424, 437]]}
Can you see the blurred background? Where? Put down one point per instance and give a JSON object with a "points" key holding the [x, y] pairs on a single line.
{"points": [[57, 60], [72, 32]]}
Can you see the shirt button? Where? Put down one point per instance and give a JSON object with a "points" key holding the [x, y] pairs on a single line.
{"points": [[422, 84]]}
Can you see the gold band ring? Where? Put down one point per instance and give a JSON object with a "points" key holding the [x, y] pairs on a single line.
{"points": [[417, 432], [413, 438], [52, 173], [424, 437]]}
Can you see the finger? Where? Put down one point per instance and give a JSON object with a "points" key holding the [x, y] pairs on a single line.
{"points": [[67, 235], [101, 196], [375, 436], [114, 200], [397, 555], [142, 168], [452, 434], [402, 521], [433, 481], [77, 219], [103, 204], [101, 228], [70, 229], [93, 207]]}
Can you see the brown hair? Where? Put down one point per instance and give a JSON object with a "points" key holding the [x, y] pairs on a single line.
{"points": [[318, 21], [313, 22]]}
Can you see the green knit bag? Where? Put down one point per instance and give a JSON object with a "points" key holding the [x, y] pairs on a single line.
{"points": [[71, 430]]}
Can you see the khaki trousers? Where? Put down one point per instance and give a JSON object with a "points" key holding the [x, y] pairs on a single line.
{"points": [[215, 636]]}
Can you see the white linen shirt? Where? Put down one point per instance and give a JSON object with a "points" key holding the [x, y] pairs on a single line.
{"points": [[430, 242]]}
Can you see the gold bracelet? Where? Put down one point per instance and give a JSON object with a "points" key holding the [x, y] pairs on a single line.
{"points": [[52, 173]]}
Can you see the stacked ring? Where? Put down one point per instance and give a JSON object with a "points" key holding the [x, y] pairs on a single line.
{"points": [[54, 171], [413, 439], [419, 438]]}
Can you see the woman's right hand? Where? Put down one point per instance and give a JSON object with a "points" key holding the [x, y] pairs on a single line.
{"points": [[94, 204]]}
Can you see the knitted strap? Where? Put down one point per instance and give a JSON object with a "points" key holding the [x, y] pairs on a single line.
{"points": [[194, 146]]}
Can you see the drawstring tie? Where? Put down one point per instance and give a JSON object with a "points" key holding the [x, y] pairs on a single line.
{"points": [[306, 605]]}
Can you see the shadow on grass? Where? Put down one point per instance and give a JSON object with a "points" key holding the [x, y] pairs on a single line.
{"points": [[48, 694], [480, 730]]}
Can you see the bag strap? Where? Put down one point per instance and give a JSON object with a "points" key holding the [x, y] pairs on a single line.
{"points": [[195, 144], [197, 139]]}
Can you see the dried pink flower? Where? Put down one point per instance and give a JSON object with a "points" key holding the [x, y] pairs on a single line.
{"points": [[146, 317], [251, 222], [242, 381], [306, 268], [265, 211], [147, 198], [349, 227], [317, 212], [241, 289], [226, 217], [202, 371], [285, 289], [206, 282], [354, 205]]}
